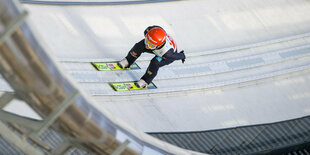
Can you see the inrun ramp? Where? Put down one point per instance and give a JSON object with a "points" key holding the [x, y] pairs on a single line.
{"points": [[247, 61]]}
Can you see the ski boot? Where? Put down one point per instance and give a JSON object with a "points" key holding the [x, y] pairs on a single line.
{"points": [[141, 83], [123, 63]]}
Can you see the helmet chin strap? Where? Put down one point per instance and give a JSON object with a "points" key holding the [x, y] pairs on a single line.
{"points": [[159, 46]]}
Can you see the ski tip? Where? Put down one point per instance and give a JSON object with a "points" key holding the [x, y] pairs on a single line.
{"points": [[128, 86], [112, 66]]}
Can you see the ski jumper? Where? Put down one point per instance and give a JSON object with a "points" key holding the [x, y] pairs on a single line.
{"points": [[164, 55]]}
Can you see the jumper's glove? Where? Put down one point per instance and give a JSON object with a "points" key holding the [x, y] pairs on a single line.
{"points": [[183, 60]]}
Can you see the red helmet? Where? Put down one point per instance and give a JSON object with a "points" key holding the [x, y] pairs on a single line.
{"points": [[155, 37]]}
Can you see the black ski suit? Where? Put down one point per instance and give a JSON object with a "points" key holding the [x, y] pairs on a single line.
{"points": [[164, 55]]}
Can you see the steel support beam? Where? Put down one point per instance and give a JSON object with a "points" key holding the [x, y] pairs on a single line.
{"points": [[23, 121], [5, 99], [55, 114], [7, 134], [13, 26], [35, 140], [121, 148]]}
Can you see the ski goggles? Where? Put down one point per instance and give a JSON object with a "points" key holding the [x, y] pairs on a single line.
{"points": [[149, 44]]}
